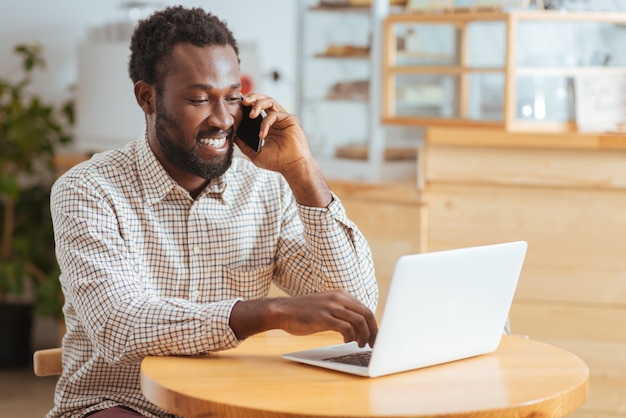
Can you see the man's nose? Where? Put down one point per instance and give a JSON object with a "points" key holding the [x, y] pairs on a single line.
{"points": [[221, 116]]}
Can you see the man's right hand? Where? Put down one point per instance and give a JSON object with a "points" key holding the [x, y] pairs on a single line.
{"points": [[335, 311]]}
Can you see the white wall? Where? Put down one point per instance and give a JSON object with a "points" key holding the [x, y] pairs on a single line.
{"points": [[61, 25]]}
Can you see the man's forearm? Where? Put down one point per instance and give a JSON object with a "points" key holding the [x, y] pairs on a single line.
{"points": [[307, 183]]}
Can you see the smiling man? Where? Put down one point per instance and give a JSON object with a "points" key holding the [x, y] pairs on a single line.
{"points": [[169, 246]]}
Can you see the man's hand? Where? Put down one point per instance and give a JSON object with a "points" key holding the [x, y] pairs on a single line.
{"points": [[285, 140], [335, 311], [286, 151]]}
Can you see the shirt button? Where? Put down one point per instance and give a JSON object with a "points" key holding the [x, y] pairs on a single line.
{"points": [[195, 295], [196, 250]]}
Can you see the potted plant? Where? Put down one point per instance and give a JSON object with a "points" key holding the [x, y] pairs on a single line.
{"points": [[30, 132]]}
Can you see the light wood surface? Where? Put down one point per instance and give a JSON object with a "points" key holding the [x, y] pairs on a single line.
{"points": [[48, 362], [494, 137], [522, 378], [565, 195]]}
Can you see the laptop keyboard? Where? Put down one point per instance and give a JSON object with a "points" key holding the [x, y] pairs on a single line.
{"points": [[362, 358]]}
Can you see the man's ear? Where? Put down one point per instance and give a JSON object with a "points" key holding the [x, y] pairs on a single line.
{"points": [[145, 96]]}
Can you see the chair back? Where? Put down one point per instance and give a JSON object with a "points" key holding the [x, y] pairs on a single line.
{"points": [[48, 362]]}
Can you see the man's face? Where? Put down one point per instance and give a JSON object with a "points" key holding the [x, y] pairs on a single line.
{"points": [[196, 110]]}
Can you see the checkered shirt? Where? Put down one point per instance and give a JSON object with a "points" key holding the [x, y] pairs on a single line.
{"points": [[147, 270]]}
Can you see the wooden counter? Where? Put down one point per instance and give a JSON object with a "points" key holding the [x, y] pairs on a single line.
{"points": [[566, 195]]}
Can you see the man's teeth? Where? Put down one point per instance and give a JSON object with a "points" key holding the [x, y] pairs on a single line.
{"points": [[213, 142]]}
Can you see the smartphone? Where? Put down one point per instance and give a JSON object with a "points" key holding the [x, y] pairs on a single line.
{"points": [[248, 130]]}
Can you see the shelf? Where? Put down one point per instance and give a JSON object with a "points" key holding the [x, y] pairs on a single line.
{"points": [[325, 101], [345, 51], [346, 99], [567, 71], [361, 152], [422, 55], [339, 95], [339, 8], [441, 69], [395, 6], [361, 171], [342, 56]]}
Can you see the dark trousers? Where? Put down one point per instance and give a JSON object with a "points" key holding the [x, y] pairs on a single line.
{"points": [[116, 412]]}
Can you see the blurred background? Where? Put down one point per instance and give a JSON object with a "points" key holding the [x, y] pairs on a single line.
{"points": [[322, 60]]}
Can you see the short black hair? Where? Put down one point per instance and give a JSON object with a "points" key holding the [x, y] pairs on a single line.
{"points": [[155, 37]]}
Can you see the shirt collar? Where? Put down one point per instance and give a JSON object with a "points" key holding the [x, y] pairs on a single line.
{"points": [[157, 182]]}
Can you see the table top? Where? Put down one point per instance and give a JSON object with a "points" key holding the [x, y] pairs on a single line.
{"points": [[521, 378]]}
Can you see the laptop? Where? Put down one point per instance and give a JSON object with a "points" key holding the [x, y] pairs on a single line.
{"points": [[442, 306]]}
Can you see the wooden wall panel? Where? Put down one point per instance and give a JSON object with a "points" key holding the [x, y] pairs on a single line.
{"points": [[574, 237], [569, 204], [538, 167], [592, 323], [389, 218]]}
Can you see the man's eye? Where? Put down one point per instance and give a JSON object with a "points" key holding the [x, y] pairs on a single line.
{"points": [[199, 101], [234, 99]]}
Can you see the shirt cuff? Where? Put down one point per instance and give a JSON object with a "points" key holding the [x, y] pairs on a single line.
{"points": [[324, 217], [221, 334]]}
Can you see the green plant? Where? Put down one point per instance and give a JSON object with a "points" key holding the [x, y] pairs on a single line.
{"points": [[30, 132]]}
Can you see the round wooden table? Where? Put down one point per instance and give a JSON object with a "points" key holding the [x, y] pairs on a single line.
{"points": [[521, 378]]}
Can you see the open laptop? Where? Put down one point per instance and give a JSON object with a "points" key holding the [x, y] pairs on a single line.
{"points": [[442, 306]]}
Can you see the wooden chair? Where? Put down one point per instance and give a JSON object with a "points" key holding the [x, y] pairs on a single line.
{"points": [[48, 362]]}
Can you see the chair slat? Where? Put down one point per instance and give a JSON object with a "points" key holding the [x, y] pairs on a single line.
{"points": [[48, 362]]}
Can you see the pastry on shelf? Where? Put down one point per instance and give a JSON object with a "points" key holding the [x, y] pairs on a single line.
{"points": [[346, 51], [349, 90]]}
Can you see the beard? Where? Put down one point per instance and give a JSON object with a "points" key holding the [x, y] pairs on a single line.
{"points": [[171, 140]]}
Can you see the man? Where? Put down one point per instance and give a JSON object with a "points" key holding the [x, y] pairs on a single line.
{"points": [[169, 246]]}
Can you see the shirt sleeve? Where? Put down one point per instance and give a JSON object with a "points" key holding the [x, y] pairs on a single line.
{"points": [[109, 301], [324, 250]]}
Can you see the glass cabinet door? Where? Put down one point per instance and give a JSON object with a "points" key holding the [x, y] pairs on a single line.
{"points": [[441, 70], [517, 70], [550, 56]]}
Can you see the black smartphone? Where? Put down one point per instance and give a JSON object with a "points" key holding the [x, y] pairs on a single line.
{"points": [[248, 130]]}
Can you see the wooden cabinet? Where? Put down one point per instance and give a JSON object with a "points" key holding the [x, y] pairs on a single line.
{"points": [[565, 194], [516, 70]]}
